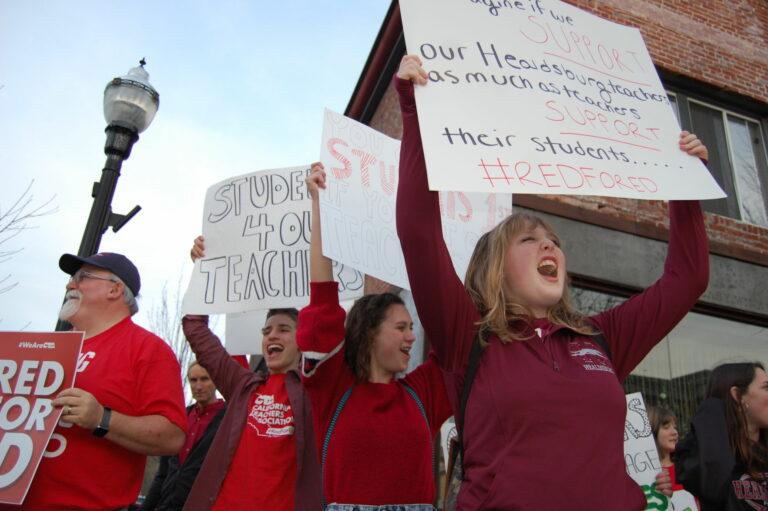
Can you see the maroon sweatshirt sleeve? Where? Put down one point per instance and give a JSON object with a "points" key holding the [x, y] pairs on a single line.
{"points": [[445, 309], [633, 328], [320, 338], [225, 372]]}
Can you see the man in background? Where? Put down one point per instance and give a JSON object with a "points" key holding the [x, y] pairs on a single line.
{"points": [[176, 474]]}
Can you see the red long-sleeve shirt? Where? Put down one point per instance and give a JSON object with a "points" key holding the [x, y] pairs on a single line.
{"points": [[545, 419], [381, 448]]}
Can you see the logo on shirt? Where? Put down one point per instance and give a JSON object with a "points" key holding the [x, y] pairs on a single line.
{"points": [[753, 493], [84, 359], [589, 355], [270, 418]]}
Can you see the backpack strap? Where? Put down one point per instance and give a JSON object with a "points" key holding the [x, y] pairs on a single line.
{"points": [[419, 404], [424, 413], [331, 426], [474, 362]]}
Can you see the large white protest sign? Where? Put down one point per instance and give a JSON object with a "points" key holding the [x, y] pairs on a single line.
{"points": [[256, 229], [538, 96], [358, 207]]}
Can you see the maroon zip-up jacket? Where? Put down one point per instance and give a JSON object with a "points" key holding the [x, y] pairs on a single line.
{"points": [[237, 384], [545, 418]]}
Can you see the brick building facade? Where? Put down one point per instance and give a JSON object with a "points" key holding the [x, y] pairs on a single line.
{"points": [[712, 56]]}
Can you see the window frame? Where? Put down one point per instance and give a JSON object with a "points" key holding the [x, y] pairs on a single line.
{"points": [[680, 101]]}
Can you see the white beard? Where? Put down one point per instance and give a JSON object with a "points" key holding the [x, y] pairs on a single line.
{"points": [[71, 306]]}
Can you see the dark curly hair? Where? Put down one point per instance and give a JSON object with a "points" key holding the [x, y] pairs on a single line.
{"points": [[363, 321]]}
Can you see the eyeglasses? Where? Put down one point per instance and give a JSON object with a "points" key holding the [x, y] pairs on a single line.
{"points": [[81, 275]]}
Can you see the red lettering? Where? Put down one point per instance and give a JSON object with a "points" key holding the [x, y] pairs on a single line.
{"points": [[561, 168], [602, 52], [387, 179], [619, 183], [524, 177], [634, 127], [339, 173], [545, 175], [635, 184], [466, 217], [587, 176], [617, 124], [587, 44], [653, 131], [604, 175], [618, 61], [365, 161], [532, 19], [603, 120], [551, 105], [646, 181]]}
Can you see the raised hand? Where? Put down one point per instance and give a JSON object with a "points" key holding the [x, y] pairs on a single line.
{"points": [[410, 69], [316, 180], [691, 144]]}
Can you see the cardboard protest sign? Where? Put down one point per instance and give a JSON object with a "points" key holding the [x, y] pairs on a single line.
{"points": [[682, 501], [640, 452], [34, 368], [256, 229], [447, 433], [538, 96], [642, 458], [358, 207], [242, 332]]}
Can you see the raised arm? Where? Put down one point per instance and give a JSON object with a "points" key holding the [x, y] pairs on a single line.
{"points": [[633, 328], [320, 267], [447, 313], [225, 372]]}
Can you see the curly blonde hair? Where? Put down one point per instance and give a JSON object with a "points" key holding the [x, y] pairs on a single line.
{"points": [[485, 284]]}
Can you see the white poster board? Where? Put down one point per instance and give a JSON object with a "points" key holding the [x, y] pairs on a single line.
{"points": [[256, 229], [358, 207], [542, 97], [642, 458], [242, 331]]}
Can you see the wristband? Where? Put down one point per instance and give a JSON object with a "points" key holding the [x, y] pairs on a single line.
{"points": [[103, 428]]}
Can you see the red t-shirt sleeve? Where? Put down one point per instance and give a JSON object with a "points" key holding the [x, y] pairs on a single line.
{"points": [[158, 390]]}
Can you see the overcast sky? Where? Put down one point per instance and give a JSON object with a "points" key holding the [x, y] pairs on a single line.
{"points": [[242, 88]]}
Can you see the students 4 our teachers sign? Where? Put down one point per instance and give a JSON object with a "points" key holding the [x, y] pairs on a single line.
{"points": [[537, 96]]}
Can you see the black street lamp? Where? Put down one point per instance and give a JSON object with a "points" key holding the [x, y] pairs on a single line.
{"points": [[130, 104]]}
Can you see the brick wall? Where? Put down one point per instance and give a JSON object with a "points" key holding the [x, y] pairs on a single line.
{"points": [[723, 43]]}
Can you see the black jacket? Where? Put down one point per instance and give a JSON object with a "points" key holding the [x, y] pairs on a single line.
{"points": [[706, 466], [172, 482]]}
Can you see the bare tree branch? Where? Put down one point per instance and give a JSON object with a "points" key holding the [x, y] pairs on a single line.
{"points": [[17, 219]]}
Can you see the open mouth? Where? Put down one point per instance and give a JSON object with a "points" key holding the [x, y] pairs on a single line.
{"points": [[548, 268], [406, 350], [275, 348]]}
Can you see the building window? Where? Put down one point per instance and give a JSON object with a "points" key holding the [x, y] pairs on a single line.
{"points": [[674, 374], [737, 157]]}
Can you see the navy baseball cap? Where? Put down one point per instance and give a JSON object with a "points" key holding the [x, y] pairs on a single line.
{"points": [[116, 263]]}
